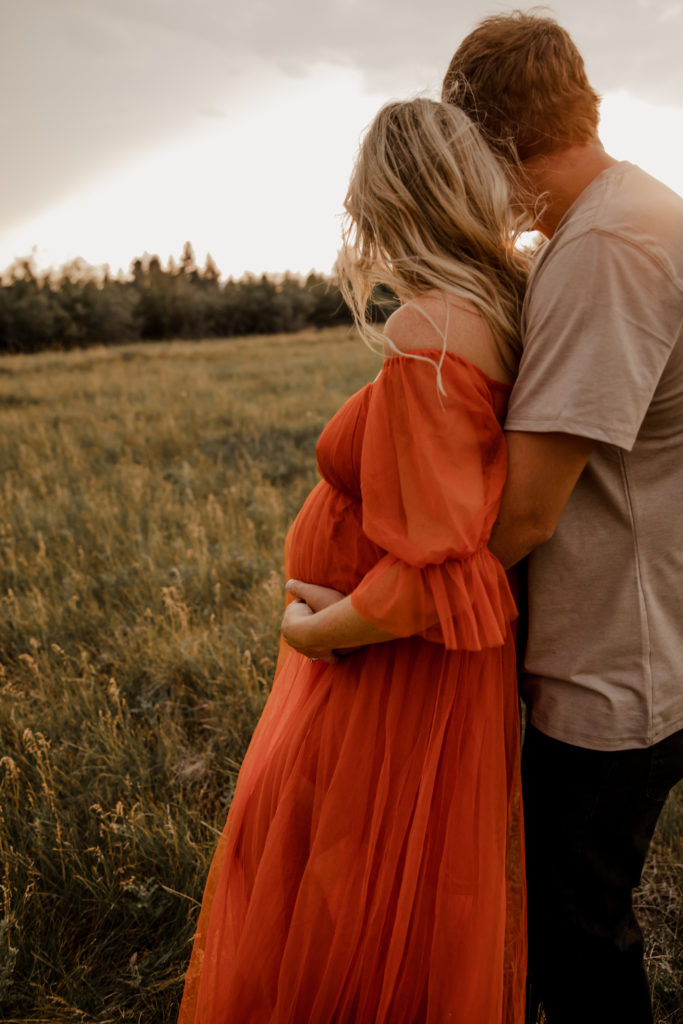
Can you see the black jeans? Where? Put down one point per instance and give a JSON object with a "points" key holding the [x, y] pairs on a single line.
{"points": [[589, 817]]}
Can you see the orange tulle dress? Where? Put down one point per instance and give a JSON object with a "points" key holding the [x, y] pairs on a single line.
{"points": [[371, 867]]}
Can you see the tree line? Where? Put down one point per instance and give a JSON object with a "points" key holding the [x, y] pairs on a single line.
{"points": [[80, 305]]}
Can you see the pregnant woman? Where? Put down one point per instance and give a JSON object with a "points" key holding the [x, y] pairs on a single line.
{"points": [[371, 867]]}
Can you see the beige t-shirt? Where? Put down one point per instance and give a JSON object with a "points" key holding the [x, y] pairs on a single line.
{"points": [[603, 358]]}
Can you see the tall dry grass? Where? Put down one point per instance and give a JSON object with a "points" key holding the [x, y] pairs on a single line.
{"points": [[145, 495], [145, 492]]}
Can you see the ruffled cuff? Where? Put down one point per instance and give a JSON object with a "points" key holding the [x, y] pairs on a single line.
{"points": [[464, 604]]}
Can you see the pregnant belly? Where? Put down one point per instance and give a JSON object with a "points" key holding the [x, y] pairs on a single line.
{"points": [[326, 543]]}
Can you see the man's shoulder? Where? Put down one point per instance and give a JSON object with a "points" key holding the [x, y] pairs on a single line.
{"points": [[622, 210], [625, 205]]}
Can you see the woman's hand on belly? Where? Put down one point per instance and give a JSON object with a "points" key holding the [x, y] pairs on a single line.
{"points": [[296, 631], [333, 628], [315, 596]]}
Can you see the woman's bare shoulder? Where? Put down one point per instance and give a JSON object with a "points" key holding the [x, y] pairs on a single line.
{"points": [[408, 331], [429, 321]]}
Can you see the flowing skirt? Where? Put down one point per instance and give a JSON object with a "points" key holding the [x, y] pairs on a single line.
{"points": [[371, 867]]}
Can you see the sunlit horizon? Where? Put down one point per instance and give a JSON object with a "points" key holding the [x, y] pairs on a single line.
{"points": [[262, 189]]}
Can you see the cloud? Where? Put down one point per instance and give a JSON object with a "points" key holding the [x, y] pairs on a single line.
{"points": [[95, 82], [636, 46], [89, 85]]}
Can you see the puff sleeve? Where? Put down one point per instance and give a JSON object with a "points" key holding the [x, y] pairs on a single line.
{"points": [[432, 473]]}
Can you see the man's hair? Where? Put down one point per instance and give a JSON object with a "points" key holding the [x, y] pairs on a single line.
{"points": [[520, 77]]}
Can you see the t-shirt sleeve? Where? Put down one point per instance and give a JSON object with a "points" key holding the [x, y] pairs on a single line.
{"points": [[432, 473], [602, 317]]}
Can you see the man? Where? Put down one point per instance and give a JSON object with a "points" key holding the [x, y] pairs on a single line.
{"points": [[595, 493]]}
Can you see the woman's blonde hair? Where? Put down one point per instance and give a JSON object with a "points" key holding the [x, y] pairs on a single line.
{"points": [[428, 209]]}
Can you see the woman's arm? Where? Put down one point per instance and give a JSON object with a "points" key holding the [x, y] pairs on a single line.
{"points": [[335, 627]]}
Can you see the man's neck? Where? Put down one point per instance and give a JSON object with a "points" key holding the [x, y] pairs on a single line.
{"points": [[559, 178]]}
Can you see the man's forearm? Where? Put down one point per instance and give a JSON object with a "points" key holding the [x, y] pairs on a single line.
{"points": [[511, 540], [542, 471]]}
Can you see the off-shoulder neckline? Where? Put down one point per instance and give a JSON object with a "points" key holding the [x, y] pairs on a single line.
{"points": [[491, 381]]}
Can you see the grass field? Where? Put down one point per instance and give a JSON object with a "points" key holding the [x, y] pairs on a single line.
{"points": [[145, 493]]}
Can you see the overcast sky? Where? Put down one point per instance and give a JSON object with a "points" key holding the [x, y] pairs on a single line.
{"points": [[214, 116]]}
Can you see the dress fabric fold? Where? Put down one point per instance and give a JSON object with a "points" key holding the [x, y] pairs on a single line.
{"points": [[371, 867]]}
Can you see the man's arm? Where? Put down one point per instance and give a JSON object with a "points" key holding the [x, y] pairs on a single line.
{"points": [[542, 472]]}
